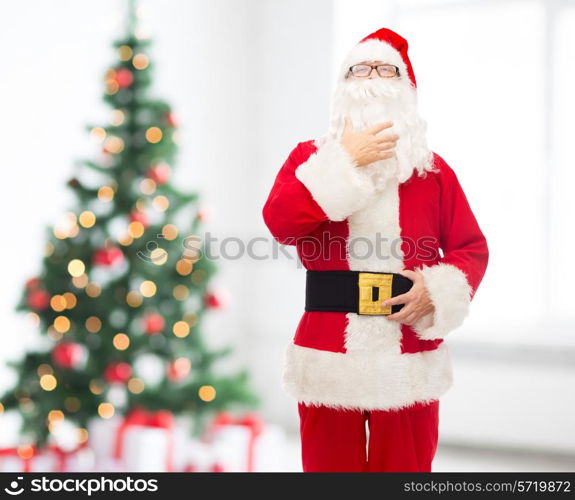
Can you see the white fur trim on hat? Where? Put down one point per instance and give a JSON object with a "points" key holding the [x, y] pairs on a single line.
{"points": [[450, 293]]}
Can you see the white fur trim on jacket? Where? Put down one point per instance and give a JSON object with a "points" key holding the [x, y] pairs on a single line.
{"points": [[366, 380], [335, 181], [450, 293]]}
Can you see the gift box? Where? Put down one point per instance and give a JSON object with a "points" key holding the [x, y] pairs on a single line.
{"points": [[246, 443], [80, 460], [140, 441], [200, 457], [24, 459], [144, 441], [50, 458], [101, 432]]}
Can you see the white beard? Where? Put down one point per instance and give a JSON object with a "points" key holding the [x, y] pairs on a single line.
{"points": [[370, 101]]}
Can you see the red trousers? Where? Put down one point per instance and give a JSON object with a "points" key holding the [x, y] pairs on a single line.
{"points": [[335, 440]]}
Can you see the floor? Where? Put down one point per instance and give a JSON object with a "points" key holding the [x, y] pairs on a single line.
{"points": [[462, 459]]}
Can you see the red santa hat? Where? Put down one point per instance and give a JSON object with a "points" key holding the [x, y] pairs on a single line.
{"points": [[381, 45]]}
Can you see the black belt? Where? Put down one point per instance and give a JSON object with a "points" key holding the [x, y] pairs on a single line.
{"points": [[353, 291]]}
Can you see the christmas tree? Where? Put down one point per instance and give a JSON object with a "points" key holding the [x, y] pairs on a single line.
{"points": [[124, 283]]}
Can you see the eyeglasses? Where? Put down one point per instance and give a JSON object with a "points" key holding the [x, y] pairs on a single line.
{"points": [[383, 70]]}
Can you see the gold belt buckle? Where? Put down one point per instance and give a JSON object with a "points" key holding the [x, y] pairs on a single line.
{"points": [[367, 282]]}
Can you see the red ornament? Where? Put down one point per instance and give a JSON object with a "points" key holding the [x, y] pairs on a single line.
{"points": [[124, 77], [178, 370], [159, 173], [33, 283], [119, 372], [108, 256], [153, 323], [38, 299], [171, 119], [68, 355], [202, 214], [139, 216], [216, 300]]}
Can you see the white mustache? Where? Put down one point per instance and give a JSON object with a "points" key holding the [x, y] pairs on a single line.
{"points": [[369, 88]]}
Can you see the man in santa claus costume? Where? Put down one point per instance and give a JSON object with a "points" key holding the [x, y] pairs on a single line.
{"points": [[393, 256]]}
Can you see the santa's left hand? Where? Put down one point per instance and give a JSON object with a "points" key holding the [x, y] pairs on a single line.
{"points": [[417, 301]]}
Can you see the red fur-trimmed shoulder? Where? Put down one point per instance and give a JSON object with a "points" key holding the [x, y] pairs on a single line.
{"points": [[441, 166]]}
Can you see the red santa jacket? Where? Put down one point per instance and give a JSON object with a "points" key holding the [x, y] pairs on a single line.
{"points": [[347, 360]]}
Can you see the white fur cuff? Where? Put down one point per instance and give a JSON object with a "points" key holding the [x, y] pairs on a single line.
{"points": [[334, 181], [450, 293]]}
